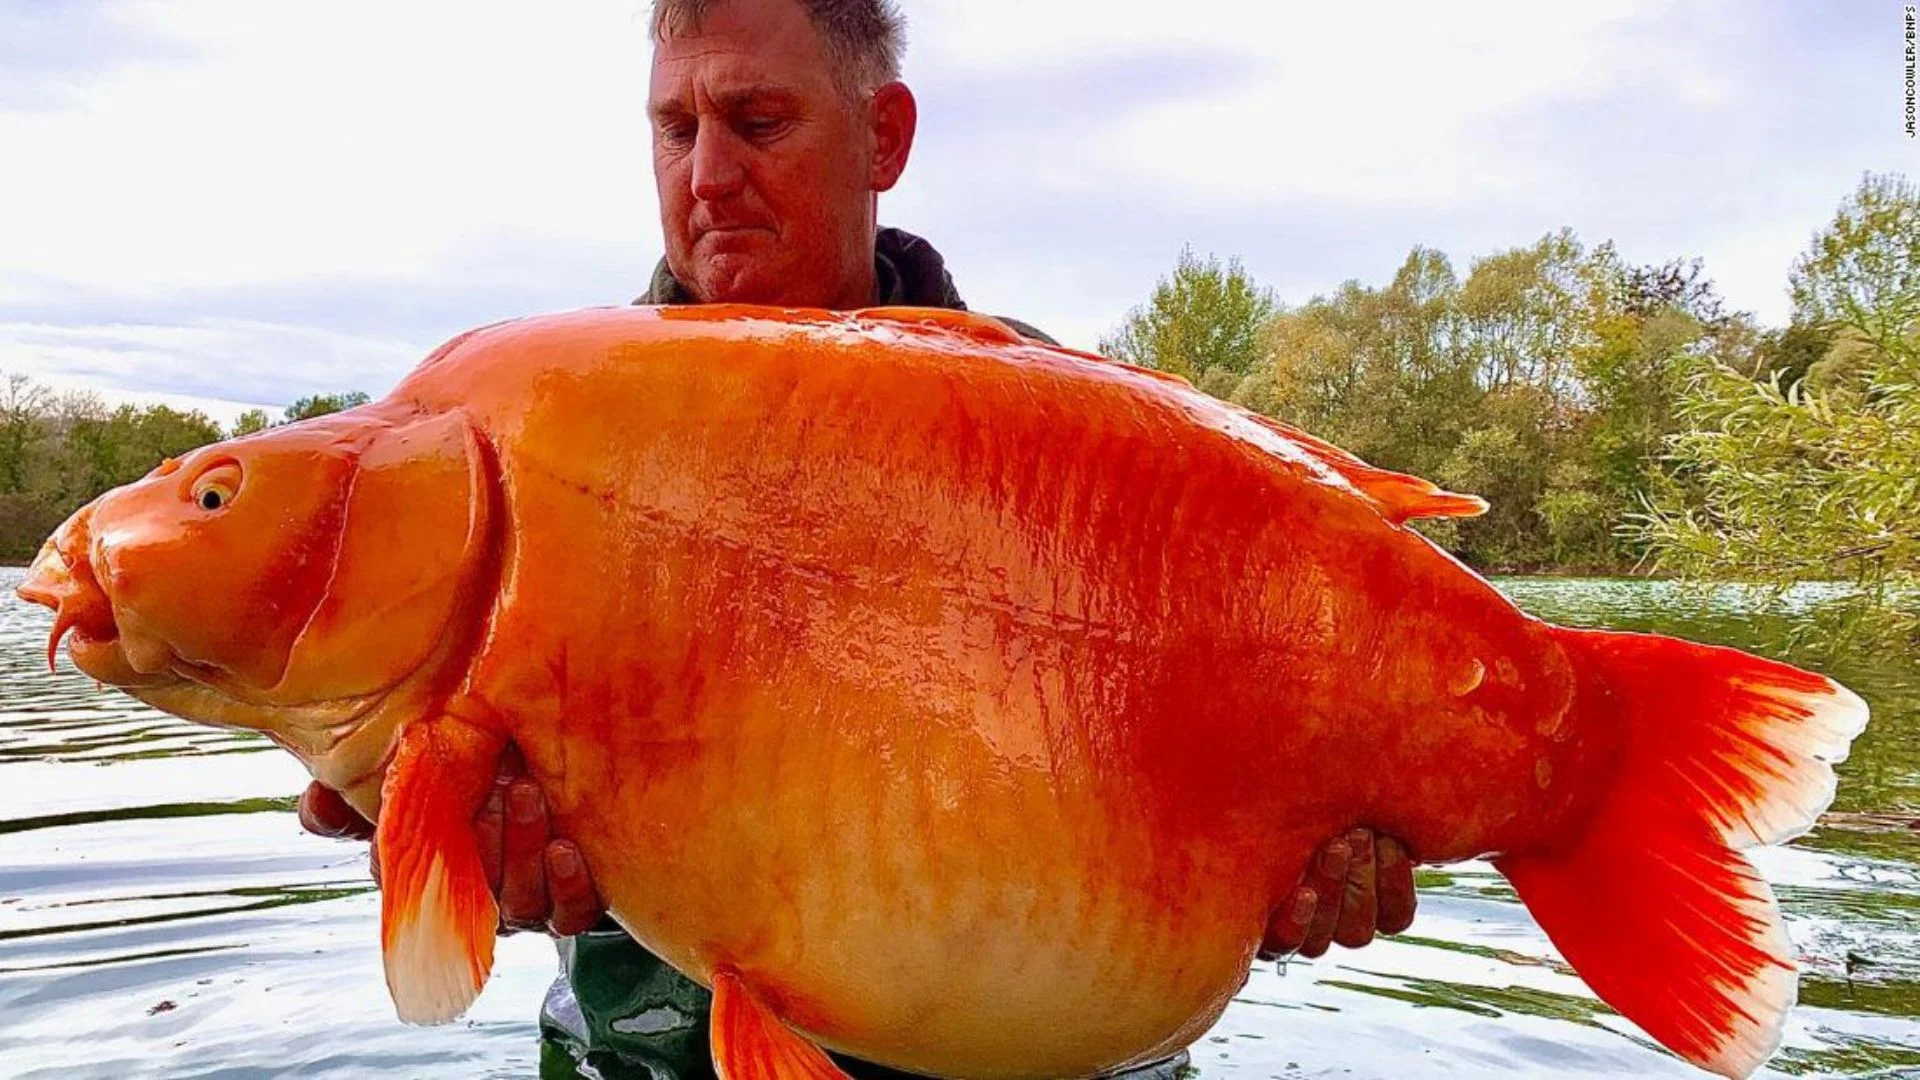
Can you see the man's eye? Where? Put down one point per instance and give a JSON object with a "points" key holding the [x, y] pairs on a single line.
{"points": [[760, 127], [677, 134]]}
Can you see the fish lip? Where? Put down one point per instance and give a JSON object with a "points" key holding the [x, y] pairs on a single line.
{"points": [[49, 583], [61, 578], [38, 594], [47, 578]]}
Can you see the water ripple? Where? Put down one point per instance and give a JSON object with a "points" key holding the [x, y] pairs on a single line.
{"points": [[162, 914]]}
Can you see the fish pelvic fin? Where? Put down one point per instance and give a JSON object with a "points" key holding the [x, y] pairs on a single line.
{"points": [[1400, 497], [751, 1043], [1652, 902], [437, 913]]}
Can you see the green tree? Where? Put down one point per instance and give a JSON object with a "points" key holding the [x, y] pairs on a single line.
{"points": [[1578, 516], [249, 422], [1863, 271], [1571, 387], [121, 446], [1647, 329], [23, 406], [1520, 309], [321, 404], [1789, 353], [1818, 479], [1378, 371], [1329, 375], [58, 452], [1205, 316], [1513, 408], [1469, 383]]}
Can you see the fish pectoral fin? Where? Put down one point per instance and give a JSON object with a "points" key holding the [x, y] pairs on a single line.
{"points": [[751, 1043], [437, 913]]}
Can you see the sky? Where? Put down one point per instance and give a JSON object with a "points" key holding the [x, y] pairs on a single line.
{"points": [[225, 204]]}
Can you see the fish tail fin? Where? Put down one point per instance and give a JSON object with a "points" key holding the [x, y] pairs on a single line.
{"points": [[1651, 902]]}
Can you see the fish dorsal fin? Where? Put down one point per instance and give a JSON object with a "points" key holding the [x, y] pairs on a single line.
{"points": [[1401, 497], [985, 328], [1152, 373]]}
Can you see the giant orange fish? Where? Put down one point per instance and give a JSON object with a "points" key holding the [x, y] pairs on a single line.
{"points": [[959, 703]]}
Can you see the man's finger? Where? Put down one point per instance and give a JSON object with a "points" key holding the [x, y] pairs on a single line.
{"points": [[523, 870], [1287, 926], [490, 824], [1393, 873], [1354, 926], [490, 831], [324, 812], [1328, 879], [512, 766], [373, 861], [576, 904]]}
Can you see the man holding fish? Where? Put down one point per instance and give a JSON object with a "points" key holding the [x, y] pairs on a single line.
{"points": [[932, 694], [776, 124]]}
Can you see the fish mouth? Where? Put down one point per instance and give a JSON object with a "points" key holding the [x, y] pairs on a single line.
{"points": [[61, 579]]}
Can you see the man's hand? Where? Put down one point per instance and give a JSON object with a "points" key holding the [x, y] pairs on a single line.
{"points": [[541, 882], [1354, 887]]}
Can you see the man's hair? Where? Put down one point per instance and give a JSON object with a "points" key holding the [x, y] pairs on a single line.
{"points": [[864, 38]]}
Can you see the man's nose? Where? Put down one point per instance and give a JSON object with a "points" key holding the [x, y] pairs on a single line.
{"points": [[717, 169]]}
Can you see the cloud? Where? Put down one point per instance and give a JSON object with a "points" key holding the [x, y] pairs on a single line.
{"points": [[476, 279], [50, 51], [1368, 104], [275, 342], [250, 202], [221, 359], [338, 139], [1344, 137]]}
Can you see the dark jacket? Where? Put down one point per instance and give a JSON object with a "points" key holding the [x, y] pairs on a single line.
{"points": [[906, 269]]}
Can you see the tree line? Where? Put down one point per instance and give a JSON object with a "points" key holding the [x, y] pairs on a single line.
{"points": [[1617, 416], [59, 451]]}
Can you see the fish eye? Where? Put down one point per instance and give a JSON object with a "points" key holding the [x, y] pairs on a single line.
{"points": [[217, 486]]}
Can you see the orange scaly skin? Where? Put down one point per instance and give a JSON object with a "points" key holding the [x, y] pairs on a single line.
{"points": [[965, 704], [908, 661]]}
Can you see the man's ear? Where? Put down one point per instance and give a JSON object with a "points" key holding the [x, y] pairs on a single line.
{"points": [[412, 537], [894, 116]]}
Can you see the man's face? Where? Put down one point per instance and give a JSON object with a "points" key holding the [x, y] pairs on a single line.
{"points": [[765, 168]]}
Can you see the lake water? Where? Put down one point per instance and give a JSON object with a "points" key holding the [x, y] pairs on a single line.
{"points": [[162, 913]]}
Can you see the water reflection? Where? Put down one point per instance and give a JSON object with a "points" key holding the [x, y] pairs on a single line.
{"points": [[161, 913]]}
